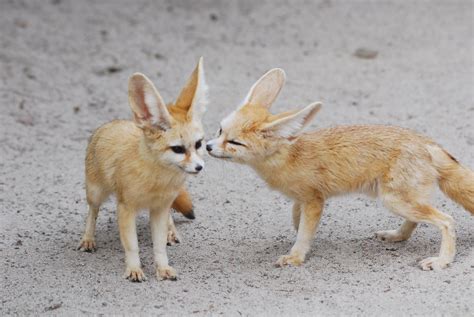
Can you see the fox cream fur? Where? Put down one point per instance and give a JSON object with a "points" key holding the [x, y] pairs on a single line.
{"points": [[144, 163], [395, 164]]}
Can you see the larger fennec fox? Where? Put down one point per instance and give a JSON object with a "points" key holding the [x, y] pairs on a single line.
{"points": [[397, 165], [144, 163]]}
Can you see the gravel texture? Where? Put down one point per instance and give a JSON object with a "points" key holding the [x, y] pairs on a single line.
{"points": [[64, 67]]}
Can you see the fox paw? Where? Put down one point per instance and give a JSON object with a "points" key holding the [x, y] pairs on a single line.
{"points": [[134, 275], [433, 263], [173, 237], [390, 236], [87, 245], [289, 260], [166, 273]]}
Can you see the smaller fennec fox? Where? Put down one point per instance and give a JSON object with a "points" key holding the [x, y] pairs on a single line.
{"points": [[144, 163], [395, 164]]}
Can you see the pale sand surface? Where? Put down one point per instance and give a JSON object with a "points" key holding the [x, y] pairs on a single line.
{"points": [[63, 71]]}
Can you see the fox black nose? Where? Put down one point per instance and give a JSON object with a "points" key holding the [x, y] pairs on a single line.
{"points": [[198, 168], [208, 147]]}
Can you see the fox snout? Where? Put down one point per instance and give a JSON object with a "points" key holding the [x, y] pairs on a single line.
{"points": [[211, 146], [214, 149], [195, 166]]}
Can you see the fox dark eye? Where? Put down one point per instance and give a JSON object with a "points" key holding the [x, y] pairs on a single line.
{"points": [[236, 143], [198, 144], [178, 149], [220, 132]]}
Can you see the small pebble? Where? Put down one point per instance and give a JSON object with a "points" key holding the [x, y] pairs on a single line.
{"points": [[366, 53]]}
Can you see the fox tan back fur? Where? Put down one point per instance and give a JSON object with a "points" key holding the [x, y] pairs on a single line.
{"points": [[397, 165], [144, 162]]}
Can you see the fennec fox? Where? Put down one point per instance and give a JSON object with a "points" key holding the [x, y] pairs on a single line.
{"points": [[144, 163], [395, 164]]}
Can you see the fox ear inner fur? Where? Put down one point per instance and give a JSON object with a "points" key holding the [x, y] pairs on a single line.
{"points": [[149, 109], [293, 123], [193, 96], [265, 91]]}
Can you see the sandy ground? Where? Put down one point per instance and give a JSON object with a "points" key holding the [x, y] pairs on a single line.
{"points": [[63, 71]]}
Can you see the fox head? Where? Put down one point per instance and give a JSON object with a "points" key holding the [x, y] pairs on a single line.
{"points": [[251, 133], [172, 134]]}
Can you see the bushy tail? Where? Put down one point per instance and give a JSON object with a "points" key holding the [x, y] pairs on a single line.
{"points": [[455, 180], [183, 204]]}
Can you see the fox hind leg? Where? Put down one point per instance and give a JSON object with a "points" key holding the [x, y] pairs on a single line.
{"points": [[415, 212], [445, 224], [173, 235], [401, 234], [95, 197]]}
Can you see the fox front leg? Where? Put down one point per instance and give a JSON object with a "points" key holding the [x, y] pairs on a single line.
{"points": [[296, 214], [308, 222], [159, 218], [128, 236]]}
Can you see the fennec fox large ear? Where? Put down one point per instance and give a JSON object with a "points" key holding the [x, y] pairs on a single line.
{"points": [[292, 124], [149, 109], [266, 89], [193, 96]]}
